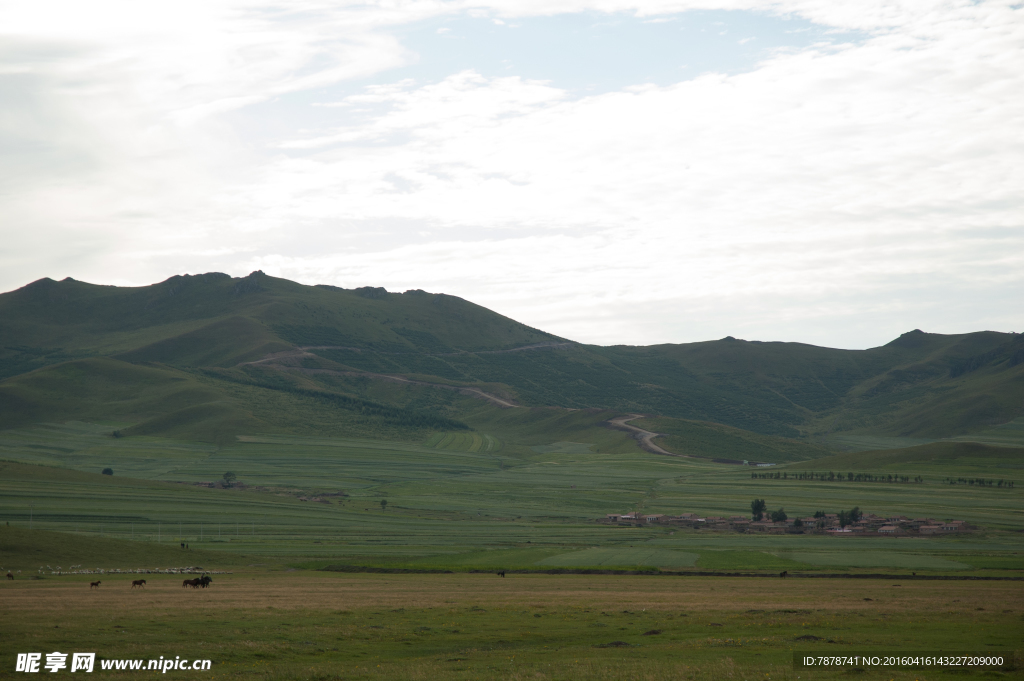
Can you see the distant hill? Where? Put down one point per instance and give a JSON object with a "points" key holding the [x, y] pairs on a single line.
{"points": [[211, 356]]}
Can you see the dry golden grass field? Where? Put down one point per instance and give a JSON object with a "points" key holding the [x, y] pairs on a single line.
{"points": [[265, 623]]}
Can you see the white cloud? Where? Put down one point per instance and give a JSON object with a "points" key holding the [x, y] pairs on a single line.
{"points": [[836, 194]]}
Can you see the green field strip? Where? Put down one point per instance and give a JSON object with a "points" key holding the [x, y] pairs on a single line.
{"points": [[861, 443], [745, 560], [433, 439], [298, 441], [477, 442], [454, 444], [622, 557], [875, 559]]}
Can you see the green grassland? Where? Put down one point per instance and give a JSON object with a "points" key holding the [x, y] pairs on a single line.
{"points": [[717, 441], [473, 499], [935, 459], [1010, 434]]}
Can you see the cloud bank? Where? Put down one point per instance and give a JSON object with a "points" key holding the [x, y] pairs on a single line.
{"points": [[837, 193]]}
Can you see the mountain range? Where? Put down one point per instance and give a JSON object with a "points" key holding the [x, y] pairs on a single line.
{"points": [[210, 357]]}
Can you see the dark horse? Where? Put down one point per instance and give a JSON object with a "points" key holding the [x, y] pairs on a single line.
{"points": [[94, 585], [784, 574], [501, 573], [10, 576], [141, 583], [191, 582], [205, 580]]}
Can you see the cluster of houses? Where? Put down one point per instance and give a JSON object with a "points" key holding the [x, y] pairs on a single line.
{"points": [[868, 525]]}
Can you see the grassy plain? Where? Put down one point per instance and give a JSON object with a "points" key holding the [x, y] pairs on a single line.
{"points": [[264, 623], [519, 493], [504, 495]]}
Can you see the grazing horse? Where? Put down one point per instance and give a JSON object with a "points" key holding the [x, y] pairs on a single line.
{"points": [[501, 573], [94, 585], [141, 583], [10, 576], [205, 581], [784, 574], [191, 582]]}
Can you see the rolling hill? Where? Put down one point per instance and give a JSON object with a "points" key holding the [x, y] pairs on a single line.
{"points": [[209, 357]]}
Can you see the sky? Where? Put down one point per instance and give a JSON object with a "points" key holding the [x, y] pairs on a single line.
{"points": [[611, 171]]}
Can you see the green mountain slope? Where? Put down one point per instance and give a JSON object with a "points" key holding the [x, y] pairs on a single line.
{"points": [[941, 458], [195, 405], [212, 319], [210, 356], [918, 385]]}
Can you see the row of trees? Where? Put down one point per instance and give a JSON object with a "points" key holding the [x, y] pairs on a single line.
{"points": [[759, 509], [980, 481], [831, 476]]}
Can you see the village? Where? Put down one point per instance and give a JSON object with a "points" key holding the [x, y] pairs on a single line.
{"points": [[832, 524]]}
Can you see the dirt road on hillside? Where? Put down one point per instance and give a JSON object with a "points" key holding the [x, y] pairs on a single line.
{"points": [[643, 437], [302, 351], [463, 390], [290, 360]]}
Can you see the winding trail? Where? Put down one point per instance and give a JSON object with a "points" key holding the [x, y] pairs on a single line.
{"points": [[461, 389], [643, 437], [289, 360], [286, 361], [301, 351]]}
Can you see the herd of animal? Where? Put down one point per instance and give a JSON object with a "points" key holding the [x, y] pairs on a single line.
{"points": [[198, 582]]}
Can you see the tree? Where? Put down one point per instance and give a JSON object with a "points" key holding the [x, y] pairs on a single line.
{"points": [[798, 523], [779, 516], [855, 514], [383, 504], [108, 471], [757, 508], [229, 477]]}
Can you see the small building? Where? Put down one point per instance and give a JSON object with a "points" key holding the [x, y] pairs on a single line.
{"points": [[840, 532]]}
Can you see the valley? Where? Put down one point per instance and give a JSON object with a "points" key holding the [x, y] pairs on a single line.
{"points": [[310, 435]]}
